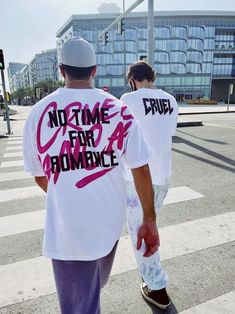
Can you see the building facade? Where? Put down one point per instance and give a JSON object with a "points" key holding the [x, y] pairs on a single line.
{"points": [[14, 67], [194, 50], [44, 66]]}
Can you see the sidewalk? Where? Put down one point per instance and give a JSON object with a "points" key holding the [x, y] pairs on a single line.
{"points": [[185, 109], [16, 121]]}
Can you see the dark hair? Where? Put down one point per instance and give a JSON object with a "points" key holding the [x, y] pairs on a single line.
{"points": [[76, 73], [141, 71]]}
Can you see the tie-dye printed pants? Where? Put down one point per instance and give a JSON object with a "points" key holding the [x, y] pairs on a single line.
{"points": [[149, 267]]}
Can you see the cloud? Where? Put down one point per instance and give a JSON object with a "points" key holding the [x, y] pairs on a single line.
{"points": [[109, 8]]}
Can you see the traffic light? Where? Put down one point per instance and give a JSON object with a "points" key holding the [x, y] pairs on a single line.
{"points": [[105, 39], [120, 26], [2, 65]]}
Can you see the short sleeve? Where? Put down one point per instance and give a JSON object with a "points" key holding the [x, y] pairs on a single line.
{"points": [[174, 125], [137, 151], [32, 163]]}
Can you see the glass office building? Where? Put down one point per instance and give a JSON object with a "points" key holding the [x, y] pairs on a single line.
{"points": [[43, 66], [194, 50]]}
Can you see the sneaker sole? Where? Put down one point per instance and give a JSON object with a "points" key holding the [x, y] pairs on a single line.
{"points": [[161, 306]]}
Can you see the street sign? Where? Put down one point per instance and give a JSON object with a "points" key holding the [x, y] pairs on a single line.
{"points": [[2, 65]]}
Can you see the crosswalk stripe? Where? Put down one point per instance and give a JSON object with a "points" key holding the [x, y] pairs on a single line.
{"points": [[10, 148], [14, 154], [175, 195], [15, 142], [33, 277], [8, 176], [20, 193], [20, 223], [222, 304], [15, 138], [12, 163], [180, 194]]}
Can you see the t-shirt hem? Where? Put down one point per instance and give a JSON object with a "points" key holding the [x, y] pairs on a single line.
{"points": [[78, 257], [35, 173]]}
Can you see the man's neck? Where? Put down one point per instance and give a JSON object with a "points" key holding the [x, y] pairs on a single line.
{"points": [[145, 84], [79, 84]]}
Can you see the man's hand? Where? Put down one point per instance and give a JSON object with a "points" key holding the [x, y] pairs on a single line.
{"points": [[149, 233]]}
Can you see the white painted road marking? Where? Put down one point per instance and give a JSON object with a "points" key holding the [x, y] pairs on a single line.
{"points": [[15, 138], [13, 154], [20, 223], [13, 148], [20, 193], [222, 304], [17, 142], [12, 163], [32, 278], [181, 194], [9, 176]]}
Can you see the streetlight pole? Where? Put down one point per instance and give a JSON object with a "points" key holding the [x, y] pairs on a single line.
{"points": [[150, 50], [6, 103]]}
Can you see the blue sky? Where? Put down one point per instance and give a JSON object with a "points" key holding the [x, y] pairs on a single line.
{"points": [[29, 26]]}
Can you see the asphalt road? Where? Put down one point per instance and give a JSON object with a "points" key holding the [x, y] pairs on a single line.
{"points": [[204, 161]]}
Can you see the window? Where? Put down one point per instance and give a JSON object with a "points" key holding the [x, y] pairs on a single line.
{"points": [[115, 69], [207, 67], [162, 68], [195, 56], [178, 57], [104, 82], [196, 32], [118, 58], [195, 44], [142, 33], [103, 59], [161, 57], [130, 34], [117, 81], [180, 32], [142, 45], [101, 70], [209, 32], [131, 57], [131, 46], [162, 32], [193, 68], [178, 68], [208, 56], [209, 44]]}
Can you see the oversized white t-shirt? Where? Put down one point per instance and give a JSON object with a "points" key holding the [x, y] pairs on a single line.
{"points": [[157, 113], [81, 139]]}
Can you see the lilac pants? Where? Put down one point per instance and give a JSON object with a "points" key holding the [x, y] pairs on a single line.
{"points": [[78, 283]]}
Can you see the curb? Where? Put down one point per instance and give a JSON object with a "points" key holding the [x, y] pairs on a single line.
{"points": [[206, 112], [189, 123]]}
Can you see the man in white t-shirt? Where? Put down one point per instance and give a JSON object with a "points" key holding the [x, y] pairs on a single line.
{"points": [[77, 141], [157, 113]]}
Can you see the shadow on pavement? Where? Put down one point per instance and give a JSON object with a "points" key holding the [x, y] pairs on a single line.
{"points": [[170, 310], [204, 139], [207, 151]]}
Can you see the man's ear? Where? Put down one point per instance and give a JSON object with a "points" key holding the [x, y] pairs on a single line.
{"points": [[93, 73], [62, 70]]}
